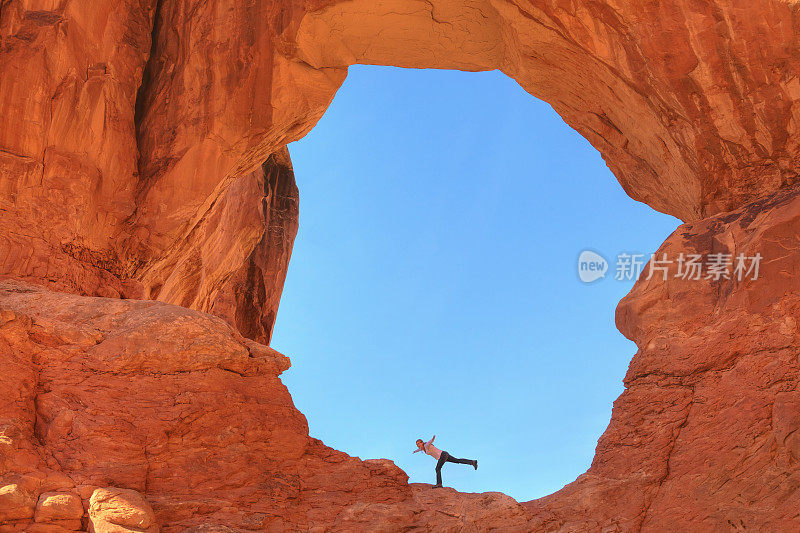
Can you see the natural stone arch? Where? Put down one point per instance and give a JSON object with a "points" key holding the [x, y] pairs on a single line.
{"points": [[172, 184], [579, 81], [691, 105], [157, 107], [673, 96], [652, 86]]}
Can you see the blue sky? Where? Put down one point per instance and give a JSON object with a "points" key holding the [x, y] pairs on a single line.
{"points": [[433, 286]]}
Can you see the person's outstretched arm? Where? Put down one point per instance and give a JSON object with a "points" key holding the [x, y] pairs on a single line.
{"points": [[417, 450], [431, 441]]}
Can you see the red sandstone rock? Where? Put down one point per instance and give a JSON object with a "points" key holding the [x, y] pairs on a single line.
{"points": [[16, 502], [134, 132], [170, 402], [113, 510], [196, 418], [62, 526], [58, 506], [701, 437], [142, 155]]}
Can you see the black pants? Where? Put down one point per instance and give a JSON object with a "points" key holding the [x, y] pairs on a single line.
{"points": [[447, 458]]}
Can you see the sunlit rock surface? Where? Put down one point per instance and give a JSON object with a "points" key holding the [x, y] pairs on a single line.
{"points": [[143, 169]]}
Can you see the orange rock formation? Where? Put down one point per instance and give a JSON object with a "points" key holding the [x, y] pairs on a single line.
{"points": [[148, 209]]}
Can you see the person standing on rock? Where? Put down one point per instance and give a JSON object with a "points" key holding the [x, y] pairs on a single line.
{"points": [[441, 457]]}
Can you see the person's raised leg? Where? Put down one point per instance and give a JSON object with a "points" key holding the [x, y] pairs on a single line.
{"points": [[472, 462], [460, 461]]}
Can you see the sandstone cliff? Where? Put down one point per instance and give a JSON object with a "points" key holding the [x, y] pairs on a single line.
{"points": [[148, 209]]}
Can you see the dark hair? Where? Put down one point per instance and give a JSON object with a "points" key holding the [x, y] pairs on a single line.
{"points": [[420, 440]]}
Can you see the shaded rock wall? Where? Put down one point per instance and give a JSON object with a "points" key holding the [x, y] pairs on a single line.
{"points": [[233, 261], [68, 150]]}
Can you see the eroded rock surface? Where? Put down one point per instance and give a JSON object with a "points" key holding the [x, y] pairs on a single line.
{"points": [[142, 157], [702, 437], [177, 405], [131, 129], [133, 404]]}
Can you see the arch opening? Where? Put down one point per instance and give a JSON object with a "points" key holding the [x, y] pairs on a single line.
{"points": [[442, 213]]}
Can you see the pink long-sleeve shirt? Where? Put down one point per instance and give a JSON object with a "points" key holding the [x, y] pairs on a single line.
{"points": [[430, 449]]}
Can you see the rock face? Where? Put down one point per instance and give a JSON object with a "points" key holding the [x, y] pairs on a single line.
{"points": [[702, 437], [148, 209], [112, 510], [131, 130], [175, 405], [234, 262]]}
